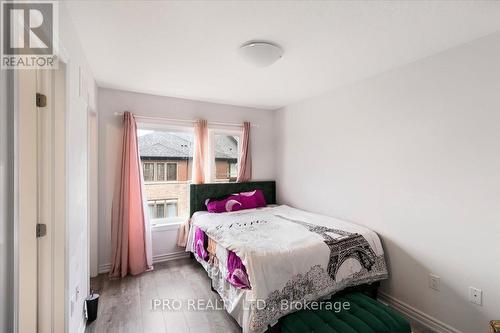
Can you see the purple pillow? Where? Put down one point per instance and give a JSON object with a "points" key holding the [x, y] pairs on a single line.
{"points": [[235, 202], [230, 204], [252, 199]]}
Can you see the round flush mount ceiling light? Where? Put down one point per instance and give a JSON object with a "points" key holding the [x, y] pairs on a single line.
{"points": [[261, 54]]}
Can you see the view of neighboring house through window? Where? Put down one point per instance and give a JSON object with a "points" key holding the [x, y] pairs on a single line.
{"points": [[162, 209], [233, 170], [226, 149], [171, 171], [160, 171], [149, 171], [167, 161]]}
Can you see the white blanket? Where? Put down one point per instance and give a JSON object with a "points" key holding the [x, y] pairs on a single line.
{"points": [[292, 255]]}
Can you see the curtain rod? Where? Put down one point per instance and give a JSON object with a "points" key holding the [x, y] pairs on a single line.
{"points": [[219, 123]]}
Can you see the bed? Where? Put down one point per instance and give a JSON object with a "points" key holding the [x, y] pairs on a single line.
{"points": [[285, 256]]}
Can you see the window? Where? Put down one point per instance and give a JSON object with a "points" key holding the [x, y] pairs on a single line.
{"points": [[225, 155], [171, 171], [160, 172], [164, 171], [166, 153], [149, 172], [233, 170], [151, 208], [171, 208], [167, 158], [162, 209]]}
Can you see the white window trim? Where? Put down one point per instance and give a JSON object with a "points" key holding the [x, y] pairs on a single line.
{"points": [[211, 148], [168, 224], [167, 221], [165, 126]]}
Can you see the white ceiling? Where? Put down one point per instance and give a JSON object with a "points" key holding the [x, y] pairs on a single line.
{"points": [[189, 49]]}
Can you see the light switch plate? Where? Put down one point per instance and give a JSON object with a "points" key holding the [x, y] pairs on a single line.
{"points": [[434, 282], [476, 296]]}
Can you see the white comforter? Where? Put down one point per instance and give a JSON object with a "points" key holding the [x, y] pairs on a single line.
{"points": [[291, 255]]}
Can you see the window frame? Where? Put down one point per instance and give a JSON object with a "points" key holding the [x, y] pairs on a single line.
{"points": [[173, 126]]}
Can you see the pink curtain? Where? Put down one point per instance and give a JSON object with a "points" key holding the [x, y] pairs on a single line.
{"points": [[199, 170], [200, 151], [127, 217], [245, 173]]}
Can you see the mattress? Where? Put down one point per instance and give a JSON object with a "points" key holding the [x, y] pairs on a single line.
{"points": [[290, 257]]}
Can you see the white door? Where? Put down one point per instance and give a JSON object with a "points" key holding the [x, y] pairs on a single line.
{"points": [[59, 217], [51, 200], [26, 200], [41, 201]]}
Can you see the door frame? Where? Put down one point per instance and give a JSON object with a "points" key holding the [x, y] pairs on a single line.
{"points": [[93, 200], [59, 250]]}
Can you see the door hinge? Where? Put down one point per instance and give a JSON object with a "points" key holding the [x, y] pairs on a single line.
{"points": [[41, 100], [41, 230]]}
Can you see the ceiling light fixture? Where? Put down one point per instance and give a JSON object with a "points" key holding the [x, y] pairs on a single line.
{"points": [[261, 54]]}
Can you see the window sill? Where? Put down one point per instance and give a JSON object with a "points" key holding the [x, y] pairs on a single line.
{"points": [[163, 182], [167, 225]]}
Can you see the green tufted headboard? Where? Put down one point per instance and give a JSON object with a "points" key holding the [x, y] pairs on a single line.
{"points": [[199, 193]]}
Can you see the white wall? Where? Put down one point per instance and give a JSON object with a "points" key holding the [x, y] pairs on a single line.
{"points": [[76, 136], [110, 136], [415, 155]]}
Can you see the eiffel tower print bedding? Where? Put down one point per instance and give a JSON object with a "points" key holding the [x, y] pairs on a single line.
{"points": [[291, 257]]}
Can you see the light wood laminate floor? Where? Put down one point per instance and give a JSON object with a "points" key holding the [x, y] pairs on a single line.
{"points": [[126, 305]]}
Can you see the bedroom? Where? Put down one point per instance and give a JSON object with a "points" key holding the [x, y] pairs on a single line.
{"points": [[346, 152]]}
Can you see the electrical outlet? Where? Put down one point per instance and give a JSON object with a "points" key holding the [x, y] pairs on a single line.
{"points": [[434, 282], [476, 296]]}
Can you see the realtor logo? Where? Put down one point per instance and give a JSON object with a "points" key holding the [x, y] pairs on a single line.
{"points": [[28, 34]]}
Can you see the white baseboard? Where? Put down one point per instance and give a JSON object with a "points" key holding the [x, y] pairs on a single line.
{"points": [[105, 268], [417, 315]]}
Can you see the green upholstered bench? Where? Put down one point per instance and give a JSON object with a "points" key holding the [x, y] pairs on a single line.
{"points": [[364, 315]]}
